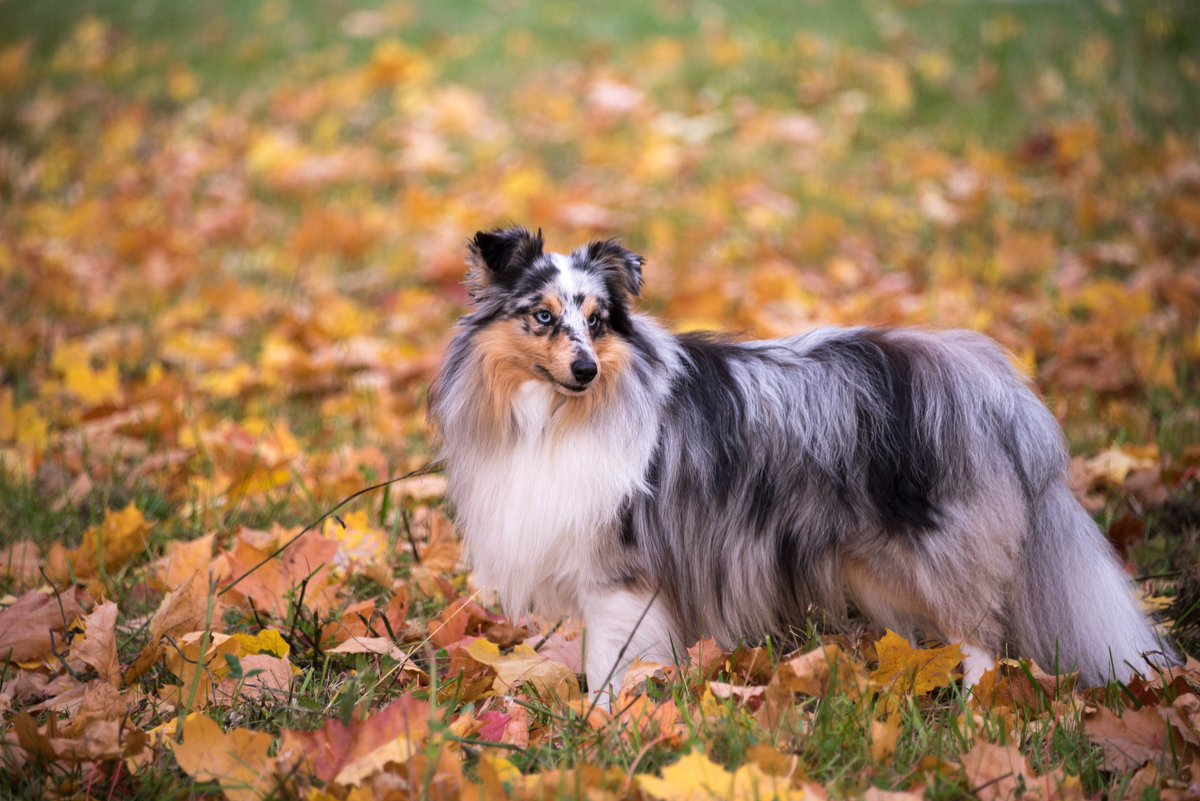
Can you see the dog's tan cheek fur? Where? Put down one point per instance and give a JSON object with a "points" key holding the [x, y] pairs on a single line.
{"points": [[508, 354], [613, 356]]}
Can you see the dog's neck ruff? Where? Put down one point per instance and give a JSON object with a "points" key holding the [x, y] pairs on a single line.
{"points": [[539, 511]]}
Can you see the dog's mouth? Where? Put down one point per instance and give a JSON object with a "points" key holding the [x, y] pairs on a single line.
{"points": [[566, 388]]}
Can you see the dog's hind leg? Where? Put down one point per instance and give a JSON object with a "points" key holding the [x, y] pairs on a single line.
{"points": [[977, 660], [623, 625], [907, 597]]}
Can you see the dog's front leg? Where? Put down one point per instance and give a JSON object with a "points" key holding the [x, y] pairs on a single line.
{"points": [[621, 626]]}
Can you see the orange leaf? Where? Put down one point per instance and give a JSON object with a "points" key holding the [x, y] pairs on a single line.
{"points": [[236, 759], [107, 547], [183, 560], [186, 609], [308, 561], [350, 753]]}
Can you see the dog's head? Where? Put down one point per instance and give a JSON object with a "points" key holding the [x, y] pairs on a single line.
{"points": [[558, 318]]}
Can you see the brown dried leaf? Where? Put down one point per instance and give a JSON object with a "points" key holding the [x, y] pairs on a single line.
{"points": [[186, 609], [820, 672], [98, 647], [1001, 773], [1129, 741], [27, 626]]}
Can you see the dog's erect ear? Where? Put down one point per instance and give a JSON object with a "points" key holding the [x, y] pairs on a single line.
{"points": [[499, 256], [622, 269]]}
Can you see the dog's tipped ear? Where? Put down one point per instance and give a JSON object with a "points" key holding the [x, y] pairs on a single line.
{"points": [[500, 255], [622, 268]]}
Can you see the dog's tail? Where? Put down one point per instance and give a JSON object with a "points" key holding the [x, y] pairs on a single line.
{"points": [[1074, 607]]}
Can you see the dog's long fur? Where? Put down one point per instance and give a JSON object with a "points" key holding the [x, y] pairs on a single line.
{"points": [[712, 487]]}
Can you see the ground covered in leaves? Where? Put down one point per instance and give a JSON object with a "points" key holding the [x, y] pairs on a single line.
{"points": [[231, 240]]}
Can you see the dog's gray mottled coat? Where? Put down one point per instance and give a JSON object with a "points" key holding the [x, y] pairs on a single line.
{"points": [[736, 483]]}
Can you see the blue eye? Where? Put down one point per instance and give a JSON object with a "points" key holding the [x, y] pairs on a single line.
{"points": [[594, 322], [543, 316]]}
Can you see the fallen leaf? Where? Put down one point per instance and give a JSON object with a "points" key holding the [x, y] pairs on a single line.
{"points": [[523, 665], [706, 657], [560, 648], [884, 736], [37, 618], [696, 777], [189, 608], [351, 753], [1128, 741], [905, 669], [89, 384], [383, 646], [365, 620], [184, 560], [263, 676], [1114, 465], [819, 672], [105, 548], [236, 759], [270, 582], [743, 695], [21, 561], [651, 721], [98, 647], [1001, 773], [877, 794]]}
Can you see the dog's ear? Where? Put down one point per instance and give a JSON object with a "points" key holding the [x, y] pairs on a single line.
{"points": [[499, 256], [622, 269]]}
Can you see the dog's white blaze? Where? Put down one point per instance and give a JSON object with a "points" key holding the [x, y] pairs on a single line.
{"points": [[533, 513], [570, 283]]}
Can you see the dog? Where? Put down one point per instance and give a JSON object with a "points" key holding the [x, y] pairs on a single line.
{"points": [[662, 487]]}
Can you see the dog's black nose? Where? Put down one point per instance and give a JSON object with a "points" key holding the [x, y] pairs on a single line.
{"points": [[584, 370]]}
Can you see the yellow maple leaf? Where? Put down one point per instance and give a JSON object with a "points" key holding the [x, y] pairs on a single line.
{"points": [[916, 670], [87, 383], [236, 759], [21, 423], [697, 778], [267, 641]]}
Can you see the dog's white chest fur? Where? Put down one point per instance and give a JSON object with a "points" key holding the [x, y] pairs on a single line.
{"points": [[533, 513]]}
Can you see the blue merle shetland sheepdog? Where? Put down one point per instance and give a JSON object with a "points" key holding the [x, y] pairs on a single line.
{"points": [[663, 487]]}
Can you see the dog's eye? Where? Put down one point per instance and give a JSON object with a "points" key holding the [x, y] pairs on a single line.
{"points": [[543, 316], [594, 322]]}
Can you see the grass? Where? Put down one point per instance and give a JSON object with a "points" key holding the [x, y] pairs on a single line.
{"points": [[905, 95]]}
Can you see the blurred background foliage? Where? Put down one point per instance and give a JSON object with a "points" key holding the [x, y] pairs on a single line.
{"points": [[224, 218]]}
